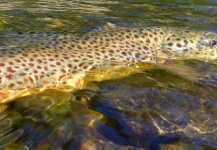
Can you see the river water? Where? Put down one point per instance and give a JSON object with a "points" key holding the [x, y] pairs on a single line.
{"points": [[154, 109]]}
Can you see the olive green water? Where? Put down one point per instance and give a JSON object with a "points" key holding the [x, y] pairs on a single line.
{"points": [[154, 109]]}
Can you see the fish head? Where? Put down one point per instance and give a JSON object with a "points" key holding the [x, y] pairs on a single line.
{"points": [[179, 43]]}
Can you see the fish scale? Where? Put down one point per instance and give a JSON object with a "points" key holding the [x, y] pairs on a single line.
{"points": [[61, 62]]}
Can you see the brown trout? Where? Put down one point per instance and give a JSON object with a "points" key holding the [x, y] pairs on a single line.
{"points": [[62, 62]]}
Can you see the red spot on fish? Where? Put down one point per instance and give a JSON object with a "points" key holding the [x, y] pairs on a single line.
{"points": [[35, 71], [51, 59], [17, 60], [111, 51], [9, 76], [124, 53], [41, 76], [35, 55], [58, 63], [63, 70], [30, 79], [170, 44], [46, 68], [148, 41], [48, 54], [10, 69], [137, 55], [11, 85], [69, 65], [25, 55], [31, 64], [136, 36], [179, 45], [19, 82], [2, 64], [39, 67], [39, 61], [31, 59], [22, 73], [81, 64], [11, 63], [61, 77], [156, 39], [90, 56]]}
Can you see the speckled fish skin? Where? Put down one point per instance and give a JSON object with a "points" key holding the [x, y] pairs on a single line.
{"points": [[61, 61]]}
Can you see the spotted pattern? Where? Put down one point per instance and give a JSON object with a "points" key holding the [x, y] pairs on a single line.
{"points": [[181, 43], [62, 61]]}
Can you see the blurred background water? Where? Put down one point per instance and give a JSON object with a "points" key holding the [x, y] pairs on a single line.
{"points": [[154, 109], [74, 15]]}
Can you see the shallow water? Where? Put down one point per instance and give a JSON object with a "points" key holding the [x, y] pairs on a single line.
{"points": [[154, 109]]}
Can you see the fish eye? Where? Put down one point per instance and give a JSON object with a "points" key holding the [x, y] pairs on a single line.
{"points": [[213, 43], [210, 39]]}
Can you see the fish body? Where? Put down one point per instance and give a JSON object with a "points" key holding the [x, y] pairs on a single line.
{"points": [[62, 62]]}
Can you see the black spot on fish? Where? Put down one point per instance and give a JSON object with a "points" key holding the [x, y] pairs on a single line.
{"points": [[87, 38], [213, 43]]}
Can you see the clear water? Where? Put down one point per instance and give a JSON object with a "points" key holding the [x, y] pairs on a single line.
{"points": [[154, 109]]}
